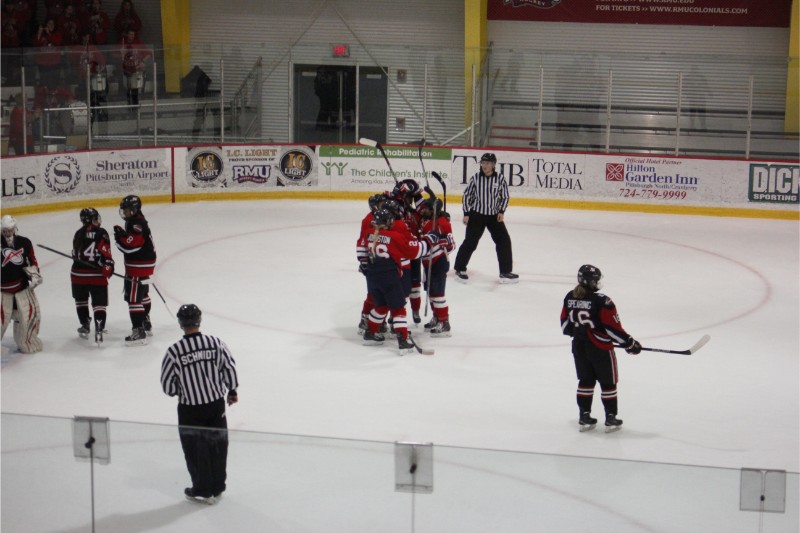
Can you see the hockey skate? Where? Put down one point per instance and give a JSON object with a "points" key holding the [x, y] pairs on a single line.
{"points": [[415, 316], [98, 332], [586, 422], [441, 329], [138, 337], [432, 323], [404, 345], [461, 275], [509, 277], [373, 339], [363, 325], [613, 423], [83, 331], [192, 496], [148, 327]]}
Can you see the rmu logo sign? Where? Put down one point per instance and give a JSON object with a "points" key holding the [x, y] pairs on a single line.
{"points": [[774, 183]]}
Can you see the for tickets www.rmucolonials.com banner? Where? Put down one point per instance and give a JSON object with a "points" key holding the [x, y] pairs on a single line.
{"points": [[768, 13]]}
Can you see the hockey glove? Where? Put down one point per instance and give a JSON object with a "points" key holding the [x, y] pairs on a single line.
{"points": [[118, 232], [108, 269], [633, 347], [431, 238], [34, 278], [362, 267]]}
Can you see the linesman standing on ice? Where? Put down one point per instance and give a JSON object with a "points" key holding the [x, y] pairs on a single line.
{"points": [[198, 369], [485, 202]]}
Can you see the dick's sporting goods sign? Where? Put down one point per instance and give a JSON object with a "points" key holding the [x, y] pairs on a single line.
{"points": [[779, 184]]}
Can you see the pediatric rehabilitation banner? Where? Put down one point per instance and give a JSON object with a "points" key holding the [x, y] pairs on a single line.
{"points": [[750, 13]]}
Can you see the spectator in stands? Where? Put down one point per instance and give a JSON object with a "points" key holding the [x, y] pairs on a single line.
{"points": [[25, 11], [48, 57], [134, 54], [98, 22], [55, 8], [11, 43], [69, 25], [127, 19], [20, 138], [86, 55]]}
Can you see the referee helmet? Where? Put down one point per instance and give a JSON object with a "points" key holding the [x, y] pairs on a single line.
{"points": [[189, 316]]}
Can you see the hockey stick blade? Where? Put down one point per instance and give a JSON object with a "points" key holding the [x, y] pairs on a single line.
{"points": [[368, 142], [420, 349]]}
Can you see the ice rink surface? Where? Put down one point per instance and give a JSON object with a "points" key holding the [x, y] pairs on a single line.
{"points": [[278, 281]]}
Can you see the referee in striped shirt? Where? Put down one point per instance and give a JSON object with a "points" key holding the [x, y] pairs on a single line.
{"points": [[485, 201], [199, 369]]}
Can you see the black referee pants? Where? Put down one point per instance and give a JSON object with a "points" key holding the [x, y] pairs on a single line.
{"points": [[502, 241], [204, 437]]}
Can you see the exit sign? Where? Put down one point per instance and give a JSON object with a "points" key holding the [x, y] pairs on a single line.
{"points": [[341, 50]]}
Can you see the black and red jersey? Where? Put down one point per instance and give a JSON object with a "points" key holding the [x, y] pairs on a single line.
{"points": [[136, 242], [15, 259], [91, 250], [593, 317]]}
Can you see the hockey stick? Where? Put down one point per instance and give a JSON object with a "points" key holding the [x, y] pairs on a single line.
{"points": [[90, 265], [419, 153], [376, 144], [420, 349], [699, 344], [444, 188]]}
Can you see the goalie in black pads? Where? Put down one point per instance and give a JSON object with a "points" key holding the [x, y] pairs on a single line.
{"points": [[591, 319]]}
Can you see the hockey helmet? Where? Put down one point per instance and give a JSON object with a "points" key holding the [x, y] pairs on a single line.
{"points": [[491, 158], [9, 228], [375, 201], [89, 215], [427, 207], [589, 277], [407, 190], [383, 217], [131, 203], [189, 316], [394, 207]]}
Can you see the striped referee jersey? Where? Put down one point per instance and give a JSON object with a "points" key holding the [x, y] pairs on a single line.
{"points": [[487, 195], [198, 369]]}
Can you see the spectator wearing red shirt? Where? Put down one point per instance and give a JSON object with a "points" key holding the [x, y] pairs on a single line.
{"points": [[69, 25], [133, 54], [48, 57], [98, 22], [127, 19]]}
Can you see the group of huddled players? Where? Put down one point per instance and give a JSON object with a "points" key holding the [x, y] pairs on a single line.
{"points": [[403, 248]]}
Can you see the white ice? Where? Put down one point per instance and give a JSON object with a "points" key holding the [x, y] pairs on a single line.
{"points": [[277, 280]]}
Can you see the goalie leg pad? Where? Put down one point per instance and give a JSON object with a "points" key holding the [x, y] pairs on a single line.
{"points": [[8, 308], [28, 320]]}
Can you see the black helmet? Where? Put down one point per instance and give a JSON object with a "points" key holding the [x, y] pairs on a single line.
{"points": [[383, 217], [394, 207], [89, 215], [189, 316], [375, 201], [589, 277], [489, 157], [427, 207], [132, 202]]}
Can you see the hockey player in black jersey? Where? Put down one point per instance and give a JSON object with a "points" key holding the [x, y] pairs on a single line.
{"points": [[591, 319]]}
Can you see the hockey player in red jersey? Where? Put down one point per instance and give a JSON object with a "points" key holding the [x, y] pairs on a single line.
{"points": [[362, 254], [136, 242], [407, 193], [436, 221], [20, 275], [591, 319], [92, 266], [387, 248]]}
